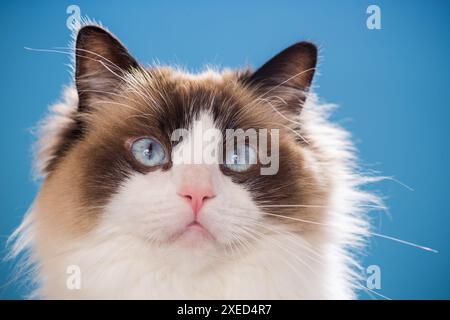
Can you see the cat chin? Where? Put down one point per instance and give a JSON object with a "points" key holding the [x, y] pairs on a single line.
{"points": [[194, 235]]}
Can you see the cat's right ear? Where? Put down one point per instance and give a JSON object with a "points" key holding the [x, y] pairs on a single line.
{"points": [[101, 60]]}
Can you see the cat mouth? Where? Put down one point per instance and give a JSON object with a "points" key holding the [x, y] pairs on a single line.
{"points": [[194, 232]]}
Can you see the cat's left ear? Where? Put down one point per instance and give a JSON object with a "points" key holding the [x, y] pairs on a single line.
{"points": [[101, 61], [288, 75]]}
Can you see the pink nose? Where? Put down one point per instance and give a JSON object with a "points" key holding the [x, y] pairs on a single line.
{"points": [[196, 196]]}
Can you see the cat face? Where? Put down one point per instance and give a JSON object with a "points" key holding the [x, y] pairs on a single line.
{"points": [[117, 167]]}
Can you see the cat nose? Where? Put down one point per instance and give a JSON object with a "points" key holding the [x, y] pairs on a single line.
{"points": [[195, 185], [196, 196]]}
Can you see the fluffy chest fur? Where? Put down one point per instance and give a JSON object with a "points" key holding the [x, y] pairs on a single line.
{"points": [[119, 267]]}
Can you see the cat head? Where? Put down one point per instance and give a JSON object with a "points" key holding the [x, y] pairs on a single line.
{"points": [[119, 161]]}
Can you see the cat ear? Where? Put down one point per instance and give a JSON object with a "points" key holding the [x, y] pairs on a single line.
{"points": [[288, 75], [101, 61]]}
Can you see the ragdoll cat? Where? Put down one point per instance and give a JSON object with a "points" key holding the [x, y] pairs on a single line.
{"points": [[119, 207]]}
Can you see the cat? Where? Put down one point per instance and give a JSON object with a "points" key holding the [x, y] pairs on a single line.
{"points": [[118, 205]]}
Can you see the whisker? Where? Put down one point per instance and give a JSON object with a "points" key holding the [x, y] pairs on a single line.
{"points": [[74, 50], [317, 206], [289, 252], [399, 182], [284, 117], [287, 80], [110, 93], [404, 242], [373, 291], [330, 225], [296, 133], [145, 97], [299, 244], [371, 233]]}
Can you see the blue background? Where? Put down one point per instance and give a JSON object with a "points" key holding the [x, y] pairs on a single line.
{"points": [[391, 84]]}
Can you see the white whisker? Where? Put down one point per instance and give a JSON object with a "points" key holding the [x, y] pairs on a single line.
{"points": [[374, 292], [372, 233], [405, 242], [287, 80]]}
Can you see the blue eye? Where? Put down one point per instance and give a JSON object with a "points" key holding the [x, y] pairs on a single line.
{"points": [[241, 158], [148, 152]]}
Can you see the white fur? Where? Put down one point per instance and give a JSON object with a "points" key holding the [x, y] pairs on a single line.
{"points": [[125, 256]]}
